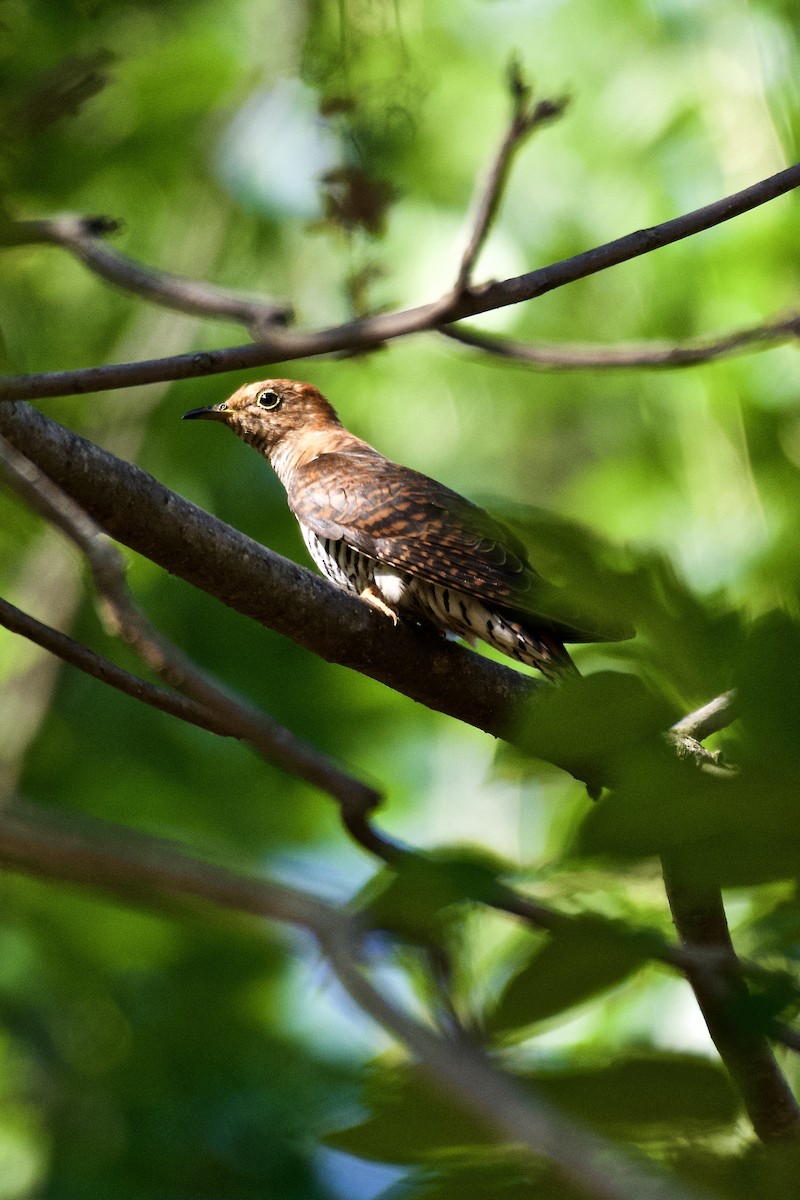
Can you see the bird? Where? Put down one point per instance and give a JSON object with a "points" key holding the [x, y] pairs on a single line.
{"points": [[402, 542]]}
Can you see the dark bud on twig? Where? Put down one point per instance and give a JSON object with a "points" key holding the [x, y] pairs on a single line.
{"points": [[100, 225]]}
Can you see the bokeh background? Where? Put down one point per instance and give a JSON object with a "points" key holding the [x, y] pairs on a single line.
{"points": [[325, 154]]}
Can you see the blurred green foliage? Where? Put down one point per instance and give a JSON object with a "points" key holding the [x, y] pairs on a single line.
{"points": [[325, 153]]}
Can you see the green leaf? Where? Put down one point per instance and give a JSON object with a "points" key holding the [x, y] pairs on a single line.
{"points": [[644, 1096], [756, 1173], [768, 694], [409, 1122], [592, 720], [739, 830], [413, 898], [578, 962], [497, 1176]]}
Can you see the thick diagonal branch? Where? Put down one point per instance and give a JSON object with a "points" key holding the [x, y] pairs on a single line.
{"points": [[135, 509]]}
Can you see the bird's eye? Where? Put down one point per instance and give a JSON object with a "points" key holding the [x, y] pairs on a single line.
{"points": [[269, 400]]}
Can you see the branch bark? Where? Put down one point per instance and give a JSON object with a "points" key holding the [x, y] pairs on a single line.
{"points": [[722, 995], [718, 714]]}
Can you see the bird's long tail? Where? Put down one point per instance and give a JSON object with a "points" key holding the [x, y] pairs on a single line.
{"points": [[555, 662]]}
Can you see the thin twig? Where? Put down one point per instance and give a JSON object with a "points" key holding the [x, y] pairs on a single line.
{"points": [[369, 332], [81, 237], [275, 743], [526, 116], [718, 714], [686, 736], [575, 356]]}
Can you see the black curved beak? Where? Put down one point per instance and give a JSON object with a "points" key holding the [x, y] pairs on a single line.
{"points": [[216, 412]]}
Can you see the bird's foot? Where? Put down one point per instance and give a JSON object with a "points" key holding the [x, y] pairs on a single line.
{"points": [[372, 597]]}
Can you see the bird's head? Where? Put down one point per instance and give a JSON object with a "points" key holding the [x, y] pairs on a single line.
{"points": [[265, 413]]}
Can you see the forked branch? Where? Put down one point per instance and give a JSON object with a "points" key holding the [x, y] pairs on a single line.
{"points": [[526, 116], [369, 332]]}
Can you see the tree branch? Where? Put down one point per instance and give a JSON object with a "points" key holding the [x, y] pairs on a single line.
{"points": [[135, 509], [573, 356], [722, 995], [698, 913], [141, 869], [271, 740], [718, 714], [81, 237], [369, 332], [94, 665]]}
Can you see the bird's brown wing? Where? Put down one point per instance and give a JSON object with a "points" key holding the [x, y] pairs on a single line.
{"points": [[408, 521]]}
